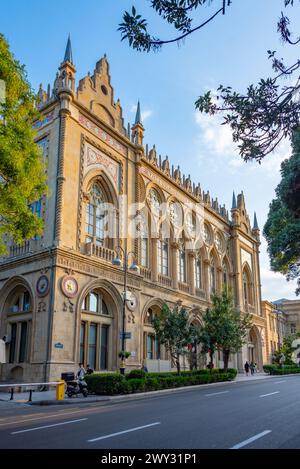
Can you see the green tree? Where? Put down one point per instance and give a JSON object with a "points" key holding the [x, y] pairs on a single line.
{"points": [[224, 328], [259, 118], [173, 330], [22, 173], [286, 350], [282, 228]]}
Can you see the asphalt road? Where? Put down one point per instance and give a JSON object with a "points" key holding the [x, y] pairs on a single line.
{"points": [[258, 414]]}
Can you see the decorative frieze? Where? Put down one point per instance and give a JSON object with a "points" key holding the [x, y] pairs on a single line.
{"points": [[102, 135]]}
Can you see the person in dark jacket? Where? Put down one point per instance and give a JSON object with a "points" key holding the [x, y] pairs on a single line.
{"points": [[247, 366]]}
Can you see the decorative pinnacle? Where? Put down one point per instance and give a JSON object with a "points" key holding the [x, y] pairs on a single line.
{"points": [[255, 224], [138, 118], [233, 201], [68, 54]]}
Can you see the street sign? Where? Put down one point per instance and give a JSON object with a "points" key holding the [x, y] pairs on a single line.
{"points": [[59, 345], [127, 335]]}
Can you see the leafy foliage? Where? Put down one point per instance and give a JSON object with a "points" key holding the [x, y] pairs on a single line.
{"points": [[175, 12], [174, 331], [224, 327], [282, 229], [22, 174], [261, 117], [285, 352]]}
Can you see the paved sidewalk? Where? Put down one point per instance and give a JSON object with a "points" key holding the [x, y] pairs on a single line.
{"points": [[49, 397]]}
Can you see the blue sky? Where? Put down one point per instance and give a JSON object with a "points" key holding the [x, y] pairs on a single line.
{"points": [[231, 50]]}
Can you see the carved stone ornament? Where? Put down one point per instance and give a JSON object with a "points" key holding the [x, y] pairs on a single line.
{"points": [[69, 286], [42, 285], [132, 303], [41, 307], [68, 306]]}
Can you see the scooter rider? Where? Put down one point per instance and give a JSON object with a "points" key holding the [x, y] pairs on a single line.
{"points": [[81, 372]]}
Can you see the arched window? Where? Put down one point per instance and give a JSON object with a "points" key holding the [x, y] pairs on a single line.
{"points": [[162, 254], [95, 215], [198, 271], [154, 203], [247, 288], [144, 245], [152, 350], [181, 262], [213, 276], [225, 276], [19, 324]]}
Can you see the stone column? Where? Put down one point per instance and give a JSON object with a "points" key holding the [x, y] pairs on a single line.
{"points": [[154, 242]]}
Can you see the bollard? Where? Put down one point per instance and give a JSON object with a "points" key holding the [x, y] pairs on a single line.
{"points": [[12, 394], [60, 390], [30, 396]]}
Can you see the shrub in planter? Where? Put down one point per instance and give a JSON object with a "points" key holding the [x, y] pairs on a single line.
{"points": [[104, 384], [140, 374]]}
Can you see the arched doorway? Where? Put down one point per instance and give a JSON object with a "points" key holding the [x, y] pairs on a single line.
{"points": [[16, 323], [255, 347], [153, 354], [98, 329]]}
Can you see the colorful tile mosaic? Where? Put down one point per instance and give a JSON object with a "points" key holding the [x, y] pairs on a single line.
{"points": [[102, 135]]}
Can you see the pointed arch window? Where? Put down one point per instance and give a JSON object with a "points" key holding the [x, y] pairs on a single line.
{"points": [[182, 262], [144, 245], [247, 288], [198, 271], [95, 215], [225, 276], [163, 254], [213, 276]]}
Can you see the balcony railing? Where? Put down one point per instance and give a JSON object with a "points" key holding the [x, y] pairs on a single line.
{"points": [[166, 281], [200, 293], [18, 250], [184, 287], [92, 249], [146, 273]]}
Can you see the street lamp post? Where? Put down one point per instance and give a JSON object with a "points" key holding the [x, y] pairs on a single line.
{"points": [[133, 268]]}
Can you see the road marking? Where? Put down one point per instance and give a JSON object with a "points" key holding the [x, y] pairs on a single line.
{"points": [[47, 426], [278, 382], [270, 394], [122, 433], [253, 438], [216, 393]]}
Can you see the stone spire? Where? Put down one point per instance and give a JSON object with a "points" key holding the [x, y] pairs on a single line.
{"points": [[234, 206], [138, 118], [68, 54], [66, 79], [137, 134], [255, 224]]}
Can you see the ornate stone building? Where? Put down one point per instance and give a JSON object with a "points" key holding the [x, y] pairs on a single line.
{"points": [[61, 294]]}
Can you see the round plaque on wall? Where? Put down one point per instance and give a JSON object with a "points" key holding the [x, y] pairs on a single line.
{"points": [[69, 286], [42, 285], [132, 303]]}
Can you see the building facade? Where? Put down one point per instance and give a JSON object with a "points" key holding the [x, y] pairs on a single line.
{"points": [[291, 308], [276, 328], [61, 294]]}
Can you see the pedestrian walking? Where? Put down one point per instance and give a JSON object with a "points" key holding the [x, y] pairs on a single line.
{"points": [[252, 368], [247, 366]]}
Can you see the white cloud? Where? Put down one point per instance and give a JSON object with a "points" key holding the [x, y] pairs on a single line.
{"points": [[275, 286], [216, 139]]}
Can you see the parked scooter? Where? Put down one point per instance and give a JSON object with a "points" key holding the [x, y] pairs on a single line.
{"points": [[75, 387]]}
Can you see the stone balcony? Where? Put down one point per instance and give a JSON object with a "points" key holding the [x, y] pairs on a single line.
{"points": [[102, 252]]}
